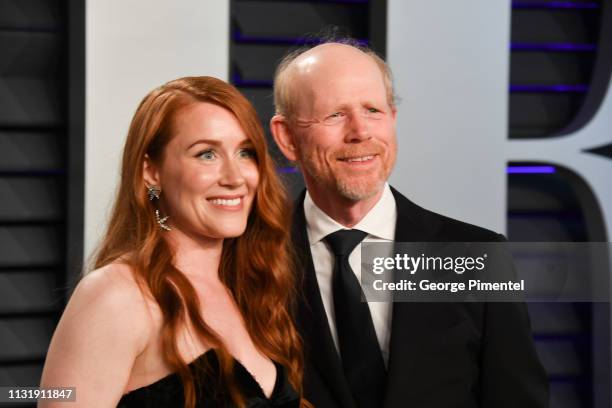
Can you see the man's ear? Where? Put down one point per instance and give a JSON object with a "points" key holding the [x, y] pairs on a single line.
{"points": [[150, 174], [283, 137]]}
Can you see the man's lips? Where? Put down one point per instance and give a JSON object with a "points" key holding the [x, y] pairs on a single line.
{"points": [[358, 158]]}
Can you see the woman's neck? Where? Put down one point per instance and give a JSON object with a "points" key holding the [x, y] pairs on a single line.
{"points": [[197, 257]]}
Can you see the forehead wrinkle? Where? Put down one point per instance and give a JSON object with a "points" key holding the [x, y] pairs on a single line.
{"points": [[343, 95]]}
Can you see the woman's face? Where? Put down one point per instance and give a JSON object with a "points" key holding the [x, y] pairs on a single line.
{"points": [[208, 175]]}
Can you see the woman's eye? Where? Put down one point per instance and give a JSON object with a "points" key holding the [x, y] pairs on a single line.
{"points": [[247, 153], [207, 155]]}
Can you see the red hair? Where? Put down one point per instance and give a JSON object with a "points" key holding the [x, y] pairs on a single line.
{"points": [[256, 266]]}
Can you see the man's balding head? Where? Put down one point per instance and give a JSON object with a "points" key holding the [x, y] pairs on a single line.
{"points": [[326, 57]]}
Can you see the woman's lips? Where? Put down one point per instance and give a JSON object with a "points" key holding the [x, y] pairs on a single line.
{"points": [[231, 203]]}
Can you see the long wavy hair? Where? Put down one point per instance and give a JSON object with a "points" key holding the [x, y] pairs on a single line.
{"points": [[256, 266]]}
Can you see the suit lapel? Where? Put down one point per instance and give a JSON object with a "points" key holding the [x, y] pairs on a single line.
{"points": [[409, 227], [312, 319]]}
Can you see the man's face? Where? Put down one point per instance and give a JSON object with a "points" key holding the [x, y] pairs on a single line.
{"points": [[343, 126]]}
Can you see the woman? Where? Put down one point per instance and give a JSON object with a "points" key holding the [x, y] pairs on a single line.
{"points": [[189, 304]]}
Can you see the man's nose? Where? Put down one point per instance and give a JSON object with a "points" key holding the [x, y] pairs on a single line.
{"points": [[231, 173], [359, 127]]}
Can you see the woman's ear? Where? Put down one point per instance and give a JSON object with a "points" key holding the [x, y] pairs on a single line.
{"points": [[150, 174]]}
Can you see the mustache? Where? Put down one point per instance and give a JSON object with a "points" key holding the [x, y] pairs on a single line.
{"points": [[358, 151]]}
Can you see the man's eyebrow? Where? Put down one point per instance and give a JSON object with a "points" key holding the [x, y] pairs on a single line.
{"points": [[336, 107]]}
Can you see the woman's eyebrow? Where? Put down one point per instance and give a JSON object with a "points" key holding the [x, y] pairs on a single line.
{"points": [[212, 142], [246, 142]]}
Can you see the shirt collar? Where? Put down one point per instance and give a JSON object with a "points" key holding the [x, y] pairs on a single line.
{"points": [[379, 222]]}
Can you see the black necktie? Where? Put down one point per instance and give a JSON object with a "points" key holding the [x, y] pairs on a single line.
{"points": [[361, 355]]}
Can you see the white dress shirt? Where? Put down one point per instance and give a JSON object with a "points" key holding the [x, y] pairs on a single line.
{"points": [[379, 224]]}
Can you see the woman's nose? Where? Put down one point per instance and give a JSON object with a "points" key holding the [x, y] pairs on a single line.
{"points": [[231, 173]]}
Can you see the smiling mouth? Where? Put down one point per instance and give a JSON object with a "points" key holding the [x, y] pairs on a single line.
{"points": [[226, 202], [358, 159]]}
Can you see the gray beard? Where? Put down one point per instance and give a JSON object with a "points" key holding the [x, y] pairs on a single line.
{"points": [[357, 194]]}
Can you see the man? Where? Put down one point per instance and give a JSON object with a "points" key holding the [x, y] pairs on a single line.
{"points": [[335, 117]]}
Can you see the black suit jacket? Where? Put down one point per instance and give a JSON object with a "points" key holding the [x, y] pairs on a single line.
{"points": [[440, 354]]}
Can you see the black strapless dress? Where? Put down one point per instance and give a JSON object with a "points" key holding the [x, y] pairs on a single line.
{"points": [[168, 391]]}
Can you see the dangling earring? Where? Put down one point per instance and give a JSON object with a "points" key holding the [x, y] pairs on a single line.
{"points": [[162, 221], [154, 193]]}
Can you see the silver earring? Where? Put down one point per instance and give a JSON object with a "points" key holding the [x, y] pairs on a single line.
{"points": [[153, 193], [162, 221]]}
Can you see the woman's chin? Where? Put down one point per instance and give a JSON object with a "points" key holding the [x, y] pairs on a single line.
{"points": [[229, 231]]}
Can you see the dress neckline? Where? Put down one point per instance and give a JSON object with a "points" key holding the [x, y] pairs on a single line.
{"points": [[238, 365]]}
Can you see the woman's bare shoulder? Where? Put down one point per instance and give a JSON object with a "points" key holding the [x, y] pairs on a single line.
{"points": [[115, 281], [117, 277], [113, 291], [104, 328]]}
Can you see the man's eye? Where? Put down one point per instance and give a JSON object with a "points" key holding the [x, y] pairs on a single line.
{"points": [[207, 155], [373, 110], [334, 118]]}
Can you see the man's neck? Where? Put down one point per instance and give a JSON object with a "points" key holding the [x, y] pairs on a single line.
{"points": [[344, 210]]}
